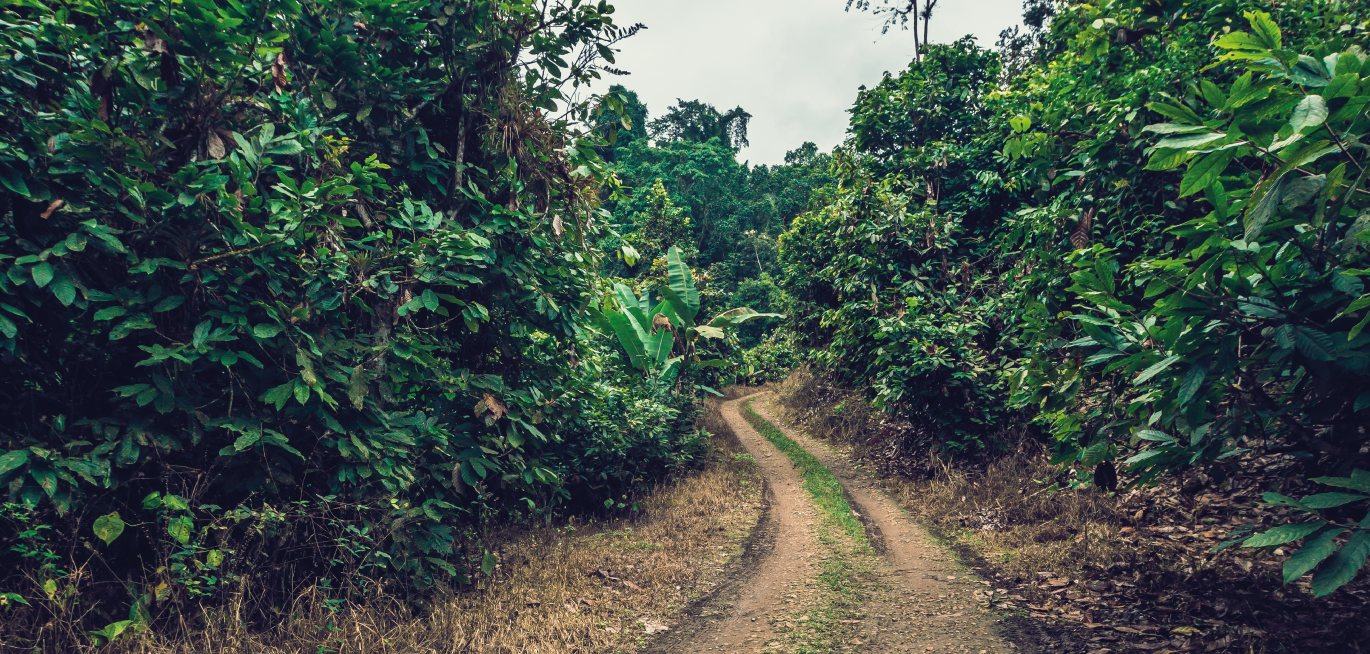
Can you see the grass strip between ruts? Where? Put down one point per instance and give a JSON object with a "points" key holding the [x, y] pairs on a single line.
{"points": [[816, 478]]}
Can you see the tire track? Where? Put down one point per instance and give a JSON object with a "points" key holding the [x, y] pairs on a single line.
{"points": [[922, 601]]}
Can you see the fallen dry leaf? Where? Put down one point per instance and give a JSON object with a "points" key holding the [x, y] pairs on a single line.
{"points": [[652, 625]]}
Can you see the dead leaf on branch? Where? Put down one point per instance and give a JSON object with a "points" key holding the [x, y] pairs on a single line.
{"points": [[278, 68], [53, 207], [214, 145], [457, 483], [558, 227], [1080, 237], [662, 322], [103, 89], [496, 408]]}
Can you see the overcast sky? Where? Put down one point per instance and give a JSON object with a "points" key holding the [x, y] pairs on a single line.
{"points": [[794, 65]]}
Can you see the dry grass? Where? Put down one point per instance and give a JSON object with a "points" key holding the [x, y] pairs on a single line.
{"points": [[547, 594], [1139, 560], [1006, 516]]}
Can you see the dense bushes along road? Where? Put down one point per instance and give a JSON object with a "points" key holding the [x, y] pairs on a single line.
{"points": [[299, 290], [317, 290], [1136, 231]]}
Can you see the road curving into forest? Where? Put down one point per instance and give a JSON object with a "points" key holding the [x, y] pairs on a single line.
{"points": [[915, 597]]}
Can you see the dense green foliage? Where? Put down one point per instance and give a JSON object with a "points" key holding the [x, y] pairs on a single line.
{"points": [[664, 341], [684, 186], [1144, 238], [300, 289]]}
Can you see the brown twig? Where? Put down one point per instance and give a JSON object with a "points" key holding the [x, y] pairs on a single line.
{"points": [[193, 265]]}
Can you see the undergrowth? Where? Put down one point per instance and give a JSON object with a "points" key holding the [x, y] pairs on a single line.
{"points": [[585, 585]]}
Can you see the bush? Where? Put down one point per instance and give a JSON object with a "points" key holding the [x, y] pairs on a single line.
{"points": [[297, 290]]}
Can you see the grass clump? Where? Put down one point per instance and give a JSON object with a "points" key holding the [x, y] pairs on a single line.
{"points": [[818, 627], [817, 479]]}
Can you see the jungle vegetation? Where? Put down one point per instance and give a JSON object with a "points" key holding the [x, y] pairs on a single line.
{"points": [[320, 291]]}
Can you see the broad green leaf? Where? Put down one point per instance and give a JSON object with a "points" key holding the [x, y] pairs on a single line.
{"points": [[1020, 123], [1153, 435], [1276, 499], [1265, 29], [175, 502], [709, 331], [658, 346], [266, 330], [111, 632], [13, 180], [1155, 369], [1178, 112], [201, 335], [301, 392], [285, 148], [181, 527], [1174, 128], [1362, 484], [714, 363], [168, 303], [1314, 344], [734, 317], [628, 337], [1188, 141], [1212, 94], [488, 563], [110, 313], [1342, 567], [1259, 215], [1094, 454], [64, 290], [682, 284], [1205, 171], [1167, 159], [108, 527], [628, 303], [11, 461], [1330, 500], [1283, 534], [709, 390], [1311, 112], [1312, 553], [1239, 41], [246, 440], [1193, 381], [42, 273], [1302, 189]]}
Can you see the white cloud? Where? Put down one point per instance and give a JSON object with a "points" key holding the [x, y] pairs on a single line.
{"points": [[795, 65]]}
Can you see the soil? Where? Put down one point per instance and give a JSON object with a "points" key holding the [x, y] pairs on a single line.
{"points": [[921, 600]]}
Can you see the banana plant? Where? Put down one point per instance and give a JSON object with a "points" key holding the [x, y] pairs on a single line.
{"points": [[651, 333]]}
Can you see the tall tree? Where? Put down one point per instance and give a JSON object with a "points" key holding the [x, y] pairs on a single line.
{"points": [[620, 122], [692, 120], [898, 12]]}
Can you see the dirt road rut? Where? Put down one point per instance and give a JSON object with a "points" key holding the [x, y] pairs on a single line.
{"points": [[920, 600]]}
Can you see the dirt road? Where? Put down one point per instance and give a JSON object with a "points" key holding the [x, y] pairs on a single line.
{"points": [[921, 599]]}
